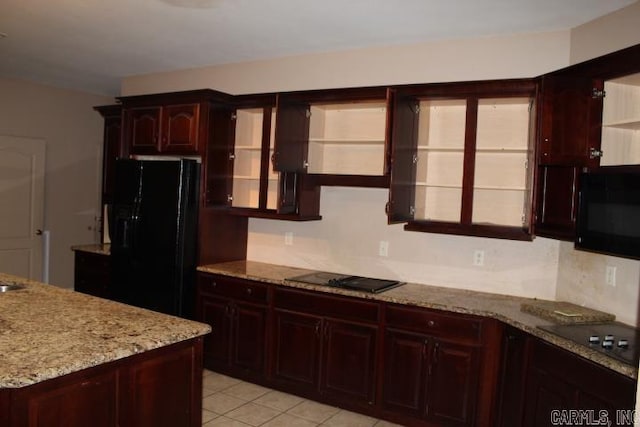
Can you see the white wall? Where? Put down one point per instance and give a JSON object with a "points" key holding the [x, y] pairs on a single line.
{"points": [[73, 135]]}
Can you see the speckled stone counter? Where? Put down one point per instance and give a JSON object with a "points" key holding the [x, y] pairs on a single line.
{"points": [[47, 332], [500, 307], [100, 249]]}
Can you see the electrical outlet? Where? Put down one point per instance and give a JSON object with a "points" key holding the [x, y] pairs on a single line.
{"points": [[610, 275], [383, 248], [478, 258], [288, 238]]}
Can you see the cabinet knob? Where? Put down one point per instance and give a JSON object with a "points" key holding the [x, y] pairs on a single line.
{"points": [[249, 291], [431, 323], [232, 156], [305, 164], [229, 198], [214, 284]]}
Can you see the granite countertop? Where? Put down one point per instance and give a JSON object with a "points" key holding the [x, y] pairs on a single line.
{"points": [[501, 307], [47, 332], [99, 248]]}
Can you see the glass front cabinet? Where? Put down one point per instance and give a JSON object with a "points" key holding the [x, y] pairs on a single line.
{"points": [[463, 158]]}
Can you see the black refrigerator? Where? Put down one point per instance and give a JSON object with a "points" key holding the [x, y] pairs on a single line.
{"points": [[153, 236]]}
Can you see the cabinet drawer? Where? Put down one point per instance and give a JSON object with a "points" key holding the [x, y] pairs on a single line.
{"points": [[434, 323], [326, 305], [230, 287]]}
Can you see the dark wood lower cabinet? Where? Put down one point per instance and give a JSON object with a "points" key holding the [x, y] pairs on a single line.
{"points": [[433, 379], [159, 388], [558, 381], [237, 312], [92, 273], [410, 365], [332, 358]]}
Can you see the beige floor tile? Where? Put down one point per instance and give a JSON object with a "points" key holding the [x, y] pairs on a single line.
{"points": [[253, 414], [221, 403], [350, 419], [225, 422], [279, 400], [217, 382], [246, 391], [287, 420], [208, 416], [313, 411]]}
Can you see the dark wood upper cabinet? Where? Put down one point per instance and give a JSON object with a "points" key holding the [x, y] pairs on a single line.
{"points": [[112, 148], [257, 188], [291, 135], [463, 158], [143, 129], [180, 128], [170, 123], [585, 122], [402, 189]]}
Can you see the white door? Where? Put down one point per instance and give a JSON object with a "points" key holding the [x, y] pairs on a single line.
{"points": [[21, 206]]}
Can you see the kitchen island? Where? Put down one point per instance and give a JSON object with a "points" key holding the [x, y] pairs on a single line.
{"points": [[71, 359]]}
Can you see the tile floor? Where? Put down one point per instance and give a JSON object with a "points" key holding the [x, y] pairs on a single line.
{"points": [[230, 402]]}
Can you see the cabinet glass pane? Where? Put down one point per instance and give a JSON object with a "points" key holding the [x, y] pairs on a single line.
{"points": [[441, 133], [347, 138], [500, 179], [621, 121], [247, 160]]}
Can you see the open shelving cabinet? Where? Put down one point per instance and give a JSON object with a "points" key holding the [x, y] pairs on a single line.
{"points": [[620, 143], [258, 190], [337, 137], [461, 163]]}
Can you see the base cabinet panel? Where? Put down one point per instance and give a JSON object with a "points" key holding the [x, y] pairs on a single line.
{"points": [[349, 361], [297, 350], [404, 385], [452, 389], [558, 380], [237, 312], [160, 388]]}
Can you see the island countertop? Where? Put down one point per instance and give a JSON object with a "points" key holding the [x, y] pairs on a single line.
{"points": [[501, 307], [47, 332]]}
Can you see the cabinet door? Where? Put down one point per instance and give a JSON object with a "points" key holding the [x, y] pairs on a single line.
{"points": [[545, 393], [248, 338], [111, 151], [512, 378], [452, 390], [215, 312], [401, 207], [405, 372], [163, 391], [556, 201], [292, 136], [180, 128], [144, 129], [349, 362], [297, 350], [570, 121], [85, 401]]}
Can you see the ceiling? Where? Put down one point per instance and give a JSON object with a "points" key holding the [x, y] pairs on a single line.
{"points": [[91, 44]]}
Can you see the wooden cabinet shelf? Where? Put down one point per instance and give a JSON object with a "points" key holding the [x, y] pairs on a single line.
{"points": [[620, 139]]}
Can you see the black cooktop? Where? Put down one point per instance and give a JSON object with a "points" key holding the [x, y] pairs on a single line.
{"points": [[614, 339], [358, 283]]}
